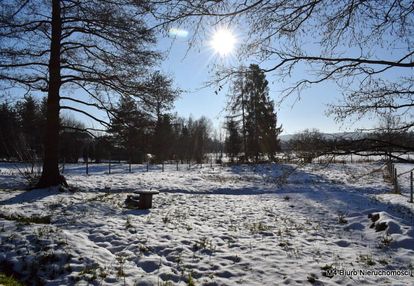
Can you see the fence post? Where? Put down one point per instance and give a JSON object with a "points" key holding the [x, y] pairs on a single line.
{"points": [[411, 193], [177, 165], [163, 166], [109, 166], [395, 180], [87, 166], [147, 166]]}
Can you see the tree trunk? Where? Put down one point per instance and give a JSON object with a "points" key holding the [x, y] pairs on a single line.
{"points": [[244, 126], [50, 174]]}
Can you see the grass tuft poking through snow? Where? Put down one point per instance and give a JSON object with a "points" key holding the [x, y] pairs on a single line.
{"points": [[8, 281]]}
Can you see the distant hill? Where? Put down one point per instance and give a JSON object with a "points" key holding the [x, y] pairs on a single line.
{"points": [[350, 135]]}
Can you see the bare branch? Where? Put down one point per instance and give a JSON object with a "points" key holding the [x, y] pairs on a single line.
{"points": [[104, 123]]}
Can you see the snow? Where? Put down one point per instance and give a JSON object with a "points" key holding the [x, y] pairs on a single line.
{"points": [[236, 225]]}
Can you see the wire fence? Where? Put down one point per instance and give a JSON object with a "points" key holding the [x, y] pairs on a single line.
{"points": [[119, 167], [394, 178]]}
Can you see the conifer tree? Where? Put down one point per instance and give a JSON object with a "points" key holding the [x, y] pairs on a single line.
{"points": [[8, 131], [261, 121], [131, 129], [31, 127], [233, 142]]}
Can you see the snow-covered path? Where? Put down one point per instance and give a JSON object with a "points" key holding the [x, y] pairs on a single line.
{"points": [[223, 226]]}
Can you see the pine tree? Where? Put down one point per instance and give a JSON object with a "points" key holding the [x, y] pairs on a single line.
{"points": [[162, 138], [271, 143], [8, 131], [160, 100], [30, 123], [234, 140], [184, 144], [131, 129], [261, 121], [237, 105]]}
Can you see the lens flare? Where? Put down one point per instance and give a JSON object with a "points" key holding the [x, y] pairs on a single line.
{"points": [[223, 42]]}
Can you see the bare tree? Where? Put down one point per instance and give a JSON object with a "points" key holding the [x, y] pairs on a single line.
{"points": [[308, 145], [98, 48], [388, 140]]}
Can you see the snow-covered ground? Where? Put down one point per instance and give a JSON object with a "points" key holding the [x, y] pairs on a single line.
{"points": [[241, 225]]}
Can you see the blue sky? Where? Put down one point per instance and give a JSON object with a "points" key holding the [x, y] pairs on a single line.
{"points": [[192, 68]]}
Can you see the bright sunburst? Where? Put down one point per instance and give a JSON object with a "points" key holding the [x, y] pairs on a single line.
{"points": [[223, 42]]}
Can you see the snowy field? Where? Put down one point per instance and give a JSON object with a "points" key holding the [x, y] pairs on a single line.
{"points": [[242, 225]]}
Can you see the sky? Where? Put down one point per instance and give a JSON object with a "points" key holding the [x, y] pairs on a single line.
{"points": [[192, 68]]}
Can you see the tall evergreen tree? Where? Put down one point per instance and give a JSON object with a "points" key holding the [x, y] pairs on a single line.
{"points": [[8, 131], [237, 104], [131, 129], [162, 138], [261, 121], [271, 142], [184, 144], [160, 100], [234, 140], [31, 126]]}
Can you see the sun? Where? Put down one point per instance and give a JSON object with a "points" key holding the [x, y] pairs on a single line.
{"points": [[223, 42]]}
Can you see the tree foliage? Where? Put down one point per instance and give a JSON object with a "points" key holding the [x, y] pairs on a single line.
{"points": [[251, 104], [22, 129], [131, 128], [309, 144], [97, 47], [233, 143]]}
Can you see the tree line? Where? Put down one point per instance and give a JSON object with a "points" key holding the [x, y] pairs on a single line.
{"points": [[135, 135], [388, 143], [23, 129]]}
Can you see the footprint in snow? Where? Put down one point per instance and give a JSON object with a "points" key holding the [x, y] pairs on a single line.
{"points": [[342, 243], [148, 265]]}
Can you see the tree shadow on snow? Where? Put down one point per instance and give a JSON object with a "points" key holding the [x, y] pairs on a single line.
{"points": [[136, 212], [29, 196], [336, 195]]}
